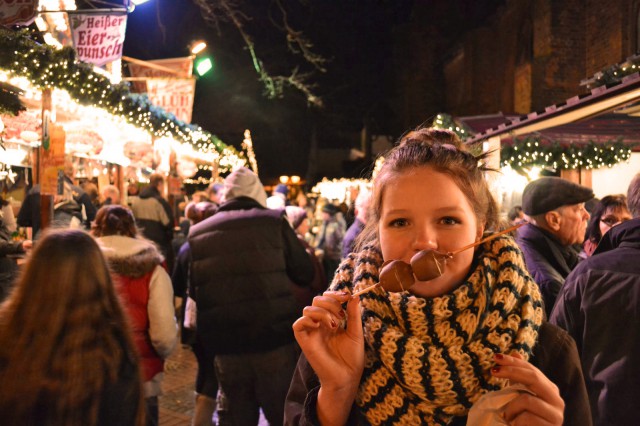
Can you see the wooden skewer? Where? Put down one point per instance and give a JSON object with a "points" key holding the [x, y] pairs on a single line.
{"points": [[365, 290], [490, 237]]}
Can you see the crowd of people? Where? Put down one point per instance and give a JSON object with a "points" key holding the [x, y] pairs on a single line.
{"points": [[281, 300]]}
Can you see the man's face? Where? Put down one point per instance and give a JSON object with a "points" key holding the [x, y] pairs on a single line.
{"points": [[572, 223]]}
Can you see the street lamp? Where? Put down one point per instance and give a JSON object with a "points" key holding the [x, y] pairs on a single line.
{"points": [[198, 47], [204, 64]]}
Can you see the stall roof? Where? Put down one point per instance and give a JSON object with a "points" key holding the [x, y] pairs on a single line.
{"points": [[604, 113]]}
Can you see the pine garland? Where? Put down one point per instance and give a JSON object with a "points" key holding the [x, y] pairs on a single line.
{"points": [[528, 152], [46, 67], [10, 103], [446, 121], [614, 74]]}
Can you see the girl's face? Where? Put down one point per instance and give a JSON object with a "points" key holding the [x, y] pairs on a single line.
{"points": [[424, 209], [612, 217]]}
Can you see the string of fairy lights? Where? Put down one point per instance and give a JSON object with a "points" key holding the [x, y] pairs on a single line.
{"points": [[47, 67], [530, 152]]}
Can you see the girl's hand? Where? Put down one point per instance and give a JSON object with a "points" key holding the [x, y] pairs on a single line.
{"points": [[546, 407], [335, 354]]}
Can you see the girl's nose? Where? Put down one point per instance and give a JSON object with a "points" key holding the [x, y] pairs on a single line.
{"points": [[424, 240]]}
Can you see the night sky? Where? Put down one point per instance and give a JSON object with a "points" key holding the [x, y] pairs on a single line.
{"points": [[358, 38]]}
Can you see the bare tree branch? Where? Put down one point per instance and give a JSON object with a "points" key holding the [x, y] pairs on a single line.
{"points": [[216, 11], [298, 43]]}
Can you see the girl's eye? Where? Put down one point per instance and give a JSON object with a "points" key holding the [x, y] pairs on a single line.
{"points": [[449, 221], [398, 223]]}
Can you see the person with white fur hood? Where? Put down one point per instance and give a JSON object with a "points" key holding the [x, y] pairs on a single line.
{"points": [[147, 293]]}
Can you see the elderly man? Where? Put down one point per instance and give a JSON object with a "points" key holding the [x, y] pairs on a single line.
{"points": [[599, 305], [557, 222], [243, 260]]}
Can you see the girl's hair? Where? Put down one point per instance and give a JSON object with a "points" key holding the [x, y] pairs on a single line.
{"points": [[610, 202], [114, 220], [443, 151], [197, 212], [64, 335]]}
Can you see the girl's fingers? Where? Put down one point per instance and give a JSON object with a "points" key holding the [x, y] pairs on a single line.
{"points": [[303, 324], [321, 315], [332, 301], [526, 408], [520, 371], [354, 319], [546, 404]]}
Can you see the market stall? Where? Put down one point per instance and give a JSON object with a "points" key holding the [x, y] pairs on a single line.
{"points": [[112, 135]]}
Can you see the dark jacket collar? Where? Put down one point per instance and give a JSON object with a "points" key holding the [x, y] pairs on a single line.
{"points": [[566, 257], [150, 192], [626, 234], [240, 203]]}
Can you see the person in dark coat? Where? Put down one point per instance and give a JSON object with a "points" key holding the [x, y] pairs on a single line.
{"points": [[557, 224], [154, 217], [243, 260], [361, 211], [599, 305], [9, 266], [73, 206], [206, 381], [297, 217]]}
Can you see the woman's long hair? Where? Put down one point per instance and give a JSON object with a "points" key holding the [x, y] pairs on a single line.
{"points": [[64, 335]]}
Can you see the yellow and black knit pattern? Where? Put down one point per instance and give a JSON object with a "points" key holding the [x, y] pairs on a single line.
{"points": [[429, 360]]}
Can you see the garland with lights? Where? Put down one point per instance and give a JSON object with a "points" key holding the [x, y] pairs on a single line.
{"points": [[615, 73], [446, 121], [529, 152], [10, 103], [46, 67]]}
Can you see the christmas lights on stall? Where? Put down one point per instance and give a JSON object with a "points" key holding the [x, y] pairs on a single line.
{"points": [[45, 67], [529, 152], [247, 144]]}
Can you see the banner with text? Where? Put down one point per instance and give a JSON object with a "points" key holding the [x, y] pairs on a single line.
{"points": [[174, 95], [18, 12], [171, 67], [98, 37]]}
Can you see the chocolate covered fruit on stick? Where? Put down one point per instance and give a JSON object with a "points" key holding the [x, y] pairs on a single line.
{"points": [[426, 265]]}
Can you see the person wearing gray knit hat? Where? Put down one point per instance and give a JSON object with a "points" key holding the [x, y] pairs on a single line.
{"points": [[557, 224], [244, 183], [246, 263]]}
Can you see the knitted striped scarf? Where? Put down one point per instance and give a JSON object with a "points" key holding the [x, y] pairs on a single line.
{"points": [[429, 360]]}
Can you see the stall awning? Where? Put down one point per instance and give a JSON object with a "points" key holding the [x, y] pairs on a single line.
{"points": [[604, 112]]}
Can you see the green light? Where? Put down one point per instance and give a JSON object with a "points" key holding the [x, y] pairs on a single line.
{"points": [[203, 66]]}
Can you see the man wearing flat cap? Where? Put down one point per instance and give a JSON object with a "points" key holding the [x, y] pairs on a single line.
{"points": [[557, 222]]}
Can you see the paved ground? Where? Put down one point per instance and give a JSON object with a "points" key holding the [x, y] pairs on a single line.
{"points": [[176, 405]]}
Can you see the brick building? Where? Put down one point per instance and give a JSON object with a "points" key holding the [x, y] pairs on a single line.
{"points": [[525, 55]]}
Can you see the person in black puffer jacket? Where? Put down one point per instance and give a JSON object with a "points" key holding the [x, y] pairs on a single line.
{"points": [[243, 259]]}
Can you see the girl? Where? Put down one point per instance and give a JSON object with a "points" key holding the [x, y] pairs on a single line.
{"points": [[66, 353], [427, 355], [147, 292]]}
